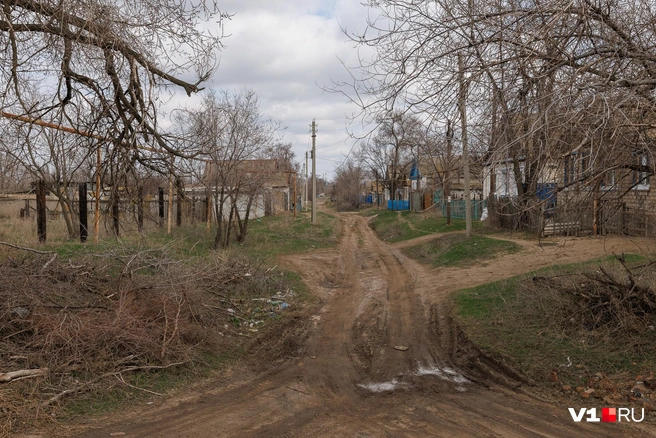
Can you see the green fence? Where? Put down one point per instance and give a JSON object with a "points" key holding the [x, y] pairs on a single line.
{"points": [[458, 207]]}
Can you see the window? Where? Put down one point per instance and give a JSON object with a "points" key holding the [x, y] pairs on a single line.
{"points": [[640, 175], [609, 181], [576, 165]]}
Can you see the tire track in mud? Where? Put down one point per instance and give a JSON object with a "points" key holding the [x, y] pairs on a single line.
{"points": [[351, 381]]}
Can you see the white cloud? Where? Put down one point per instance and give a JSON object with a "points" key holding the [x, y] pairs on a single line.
{"points": [[285, 50]]}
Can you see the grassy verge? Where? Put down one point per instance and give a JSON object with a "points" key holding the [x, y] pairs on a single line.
{"points": [[272, 236], [544, 322], [267, 237], [395, 226], [457, 250]]}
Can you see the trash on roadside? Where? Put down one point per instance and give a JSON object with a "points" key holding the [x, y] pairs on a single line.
{"points": [[22, 312]]}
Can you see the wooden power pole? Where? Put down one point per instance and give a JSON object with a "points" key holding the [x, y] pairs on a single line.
{"points": [[41, 210], [84, 219]]}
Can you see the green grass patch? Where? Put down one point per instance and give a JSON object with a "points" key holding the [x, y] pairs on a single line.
{"points": [[534, 323], [267, 237], [398, 226], [278, 235], [457, 250]]}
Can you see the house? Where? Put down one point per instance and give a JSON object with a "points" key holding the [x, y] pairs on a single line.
{"points": [[264, 179], [579, 192]]}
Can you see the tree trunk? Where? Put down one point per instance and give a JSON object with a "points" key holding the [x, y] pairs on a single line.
{"points": [[67, 214], [243, 223], [116, 225], [218, 206], [41, 210], [447, 171]]}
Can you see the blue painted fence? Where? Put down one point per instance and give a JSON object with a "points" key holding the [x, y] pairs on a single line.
{"points": [[398, 205]]}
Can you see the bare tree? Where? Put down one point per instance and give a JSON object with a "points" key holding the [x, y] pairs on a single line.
{"points": [[230, 133], [283, 154], [389, 152], [440, 160], [545, 79], [99, 66], [52, 156], [348, 186]]}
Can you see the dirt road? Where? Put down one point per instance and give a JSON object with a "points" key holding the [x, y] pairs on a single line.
{"points": [[380, 359]]}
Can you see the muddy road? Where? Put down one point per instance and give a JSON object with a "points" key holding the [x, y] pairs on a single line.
{"points": [[381, 358]]}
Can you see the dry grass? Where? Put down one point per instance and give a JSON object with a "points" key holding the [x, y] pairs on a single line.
{"points": [[106, 318], [94, 320], [24, 231]]}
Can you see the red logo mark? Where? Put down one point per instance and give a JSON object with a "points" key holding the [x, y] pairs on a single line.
{"points": [[609, 415]]}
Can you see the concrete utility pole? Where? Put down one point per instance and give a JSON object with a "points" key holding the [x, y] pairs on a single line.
{"points": [[465, 152], [305, 199], [303, 189], [314, 173]]}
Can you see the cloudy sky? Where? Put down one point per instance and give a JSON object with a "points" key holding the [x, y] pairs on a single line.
{"points": [[285, 50]]}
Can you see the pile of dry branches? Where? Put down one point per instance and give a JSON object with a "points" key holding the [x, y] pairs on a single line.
{"points": [[72, 326], [614, 300]]}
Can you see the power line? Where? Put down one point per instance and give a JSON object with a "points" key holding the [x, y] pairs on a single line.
{"points": [[333, 144]]}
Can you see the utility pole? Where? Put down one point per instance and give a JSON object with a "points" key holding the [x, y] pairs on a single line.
{"points": [[303, 189], [170, 207], [314, 173], [294, 203], [293, 172], [96, 214], [462, 96], [447, 171], [306, 179]]}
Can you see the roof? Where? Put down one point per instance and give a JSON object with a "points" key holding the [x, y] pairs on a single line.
{"points": [[265, 172]]}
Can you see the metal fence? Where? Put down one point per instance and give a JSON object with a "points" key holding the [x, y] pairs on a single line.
{"points": [[398, 205], [458, 209]]}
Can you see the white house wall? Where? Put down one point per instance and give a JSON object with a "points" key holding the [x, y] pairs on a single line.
{"points": [[505, 185], [505, 178], [257, 207]]}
